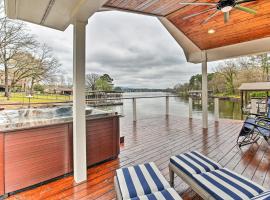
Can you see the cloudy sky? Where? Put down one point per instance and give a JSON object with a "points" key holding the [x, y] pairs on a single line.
{"points": [[135, 50]]}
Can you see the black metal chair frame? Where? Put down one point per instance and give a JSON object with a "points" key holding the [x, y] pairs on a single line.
{"points": [[251, 136]]}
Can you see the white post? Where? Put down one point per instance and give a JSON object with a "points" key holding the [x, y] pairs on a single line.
{"points": [[79, 123], [190, 107], [167, 105], [122, 110], [134, 110], [216, 107], [204, 91]]}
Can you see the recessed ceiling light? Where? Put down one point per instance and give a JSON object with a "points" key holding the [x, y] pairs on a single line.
{"points": [[211, 31]]}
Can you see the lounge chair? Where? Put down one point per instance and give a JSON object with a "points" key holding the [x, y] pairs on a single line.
{"points": [[143, 182], [212, 181], [254, 127]]}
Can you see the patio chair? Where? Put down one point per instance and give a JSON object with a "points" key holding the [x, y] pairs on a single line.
{"points": [[143, 182], [254, 127], [212, 181]]}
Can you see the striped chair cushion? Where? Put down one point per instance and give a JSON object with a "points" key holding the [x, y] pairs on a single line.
{"points": [[263, 196], [194, 163], [140, 180], [225, 184], [168, 194]]}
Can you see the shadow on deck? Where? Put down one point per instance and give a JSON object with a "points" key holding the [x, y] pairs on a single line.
{"points": [[156, 139]]}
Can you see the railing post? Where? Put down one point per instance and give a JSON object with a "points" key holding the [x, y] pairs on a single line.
{"points": [[190, 107], [204, 91], [216, 108], [122, 110], [167, 105], [134, 110]]}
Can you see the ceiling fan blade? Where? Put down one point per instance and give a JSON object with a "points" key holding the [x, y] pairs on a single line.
{"points": [[245, 9], [244, 1], [226, 17], [210, 17], [198, 4], [199, 13]]}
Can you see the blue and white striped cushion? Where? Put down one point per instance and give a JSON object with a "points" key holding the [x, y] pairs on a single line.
{"points": [[263, 196], [168, 194], [140, 180], [225, 184], [194, 163]]}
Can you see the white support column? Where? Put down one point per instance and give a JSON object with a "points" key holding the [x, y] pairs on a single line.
{"points": [[216, 108], [134, 110], [204, 91], [79, 123], [190, 107], [167, 105]]}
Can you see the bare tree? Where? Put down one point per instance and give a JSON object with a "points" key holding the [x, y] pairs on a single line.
{"points": [[91, 80], [20, 68], [69, 81], [218, 83], [45, 66], [14, 40], [62, 80], [263, 61], [228, 71]]}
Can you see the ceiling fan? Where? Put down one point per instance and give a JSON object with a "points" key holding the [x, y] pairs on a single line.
{"points": [[224, 6]]}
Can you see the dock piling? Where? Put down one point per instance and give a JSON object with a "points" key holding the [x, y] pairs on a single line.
{"points": [[216, 109], [167, 105], [190, 107], [134, 110]]}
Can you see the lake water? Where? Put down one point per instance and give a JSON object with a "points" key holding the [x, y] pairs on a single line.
{"points": [[178, 106]]}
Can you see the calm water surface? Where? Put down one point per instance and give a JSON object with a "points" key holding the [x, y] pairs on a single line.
{"points": [[178, 106]]}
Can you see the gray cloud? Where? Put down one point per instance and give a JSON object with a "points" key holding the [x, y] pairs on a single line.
{"points": [[135, 50]]}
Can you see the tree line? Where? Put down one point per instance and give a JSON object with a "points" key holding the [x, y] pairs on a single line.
{"points": [[230, 74], [23, 58], [96, 82]]}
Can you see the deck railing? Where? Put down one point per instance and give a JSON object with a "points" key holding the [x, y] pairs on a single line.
{"points": [[216, 108], [134, 102], [134, 105]]}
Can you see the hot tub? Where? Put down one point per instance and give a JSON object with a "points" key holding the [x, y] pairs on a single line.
{"points": [[36, 144]]}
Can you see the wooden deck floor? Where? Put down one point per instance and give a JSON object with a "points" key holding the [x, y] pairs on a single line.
{"points": [[156, 139]]}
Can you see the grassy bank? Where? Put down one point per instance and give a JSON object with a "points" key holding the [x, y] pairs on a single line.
{"points": [[234, 96], [17, 98], [237, 96]]}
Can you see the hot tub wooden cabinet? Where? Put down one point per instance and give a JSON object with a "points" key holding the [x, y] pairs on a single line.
{"points": [[36, 154]]}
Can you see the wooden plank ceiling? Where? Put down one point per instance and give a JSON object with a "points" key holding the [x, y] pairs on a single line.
{"points": [[241, 27]]}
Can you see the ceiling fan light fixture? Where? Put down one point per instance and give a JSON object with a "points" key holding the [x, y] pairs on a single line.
{"points": [[226, 9], [224, 6]]}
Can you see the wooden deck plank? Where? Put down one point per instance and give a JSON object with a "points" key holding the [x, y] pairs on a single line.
{"points": [[156, 139], [262, 168]]}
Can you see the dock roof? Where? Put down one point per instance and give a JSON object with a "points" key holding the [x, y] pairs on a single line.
{"points": [[256, 86]]}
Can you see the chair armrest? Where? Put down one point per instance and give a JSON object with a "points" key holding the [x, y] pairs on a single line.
{"points": [[263, 119]]}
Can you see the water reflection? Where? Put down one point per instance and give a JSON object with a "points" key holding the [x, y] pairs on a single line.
{"points": [[178, 106], [229, 109]]}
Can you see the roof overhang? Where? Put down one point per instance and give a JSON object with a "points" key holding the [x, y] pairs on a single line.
{"points": [[59, 14], [56, 14], [195, 55]]}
